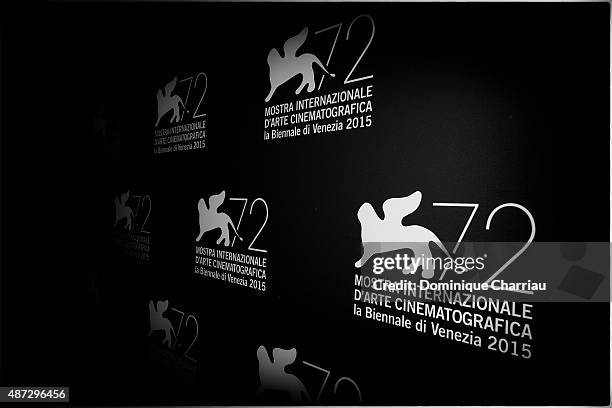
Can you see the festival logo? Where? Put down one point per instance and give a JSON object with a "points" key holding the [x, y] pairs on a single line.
{"points": [[229, 240], [283, 376], [131, 224], [409, 278], [174, 336], [181, 122], [330, 64]]}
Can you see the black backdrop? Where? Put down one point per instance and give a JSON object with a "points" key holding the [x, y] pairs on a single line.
{"points": [[473, 103]]}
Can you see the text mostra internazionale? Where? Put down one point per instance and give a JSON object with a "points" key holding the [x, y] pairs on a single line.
{"points": [[331, 105]]}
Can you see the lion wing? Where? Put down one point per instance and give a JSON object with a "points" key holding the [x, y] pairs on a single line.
{"points": [[124, 197], [395, 209], [170, 86], [294, 43], [263, 357]]}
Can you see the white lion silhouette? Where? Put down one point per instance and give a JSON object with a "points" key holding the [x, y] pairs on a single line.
{"points": [[210, 219], [388, 234], [122, 210], [284, 68], [272, 374], [167, 102]]}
